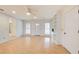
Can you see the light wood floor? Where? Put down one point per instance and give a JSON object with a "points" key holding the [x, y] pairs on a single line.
{"points": [[32, 45]]}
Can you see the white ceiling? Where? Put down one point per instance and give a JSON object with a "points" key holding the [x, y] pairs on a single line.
{"points": [[40, 11]]}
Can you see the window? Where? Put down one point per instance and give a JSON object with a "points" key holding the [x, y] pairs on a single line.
{"points": [[47, 28], [37, 25], [37, 29], [28, 28]]}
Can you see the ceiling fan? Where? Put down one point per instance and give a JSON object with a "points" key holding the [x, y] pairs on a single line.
{"points": [[1, 9], [30, 10]]}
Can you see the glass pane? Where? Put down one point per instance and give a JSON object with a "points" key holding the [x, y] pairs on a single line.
{"points": [[27, 28], [47, 28], [37, 29]]}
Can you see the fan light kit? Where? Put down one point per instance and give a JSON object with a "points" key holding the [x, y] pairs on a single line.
{"points": [[14, 12], [28, 13]]}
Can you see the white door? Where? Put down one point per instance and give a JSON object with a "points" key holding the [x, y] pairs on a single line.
{"points": [[71, 27]]}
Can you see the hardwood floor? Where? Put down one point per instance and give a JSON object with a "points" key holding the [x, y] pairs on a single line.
{"points": [[32, 45]]}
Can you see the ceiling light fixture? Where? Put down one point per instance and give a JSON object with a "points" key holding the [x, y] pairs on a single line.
{"points": [[14, 12], [28, 13]]}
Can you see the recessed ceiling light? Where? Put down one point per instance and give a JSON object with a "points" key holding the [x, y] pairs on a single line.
{"points": [[28, 13], [14, 12], [35, 17]]}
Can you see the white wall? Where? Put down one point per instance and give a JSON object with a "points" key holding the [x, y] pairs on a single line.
{"points": [[4, 28], [57, 27], [19, 28]]}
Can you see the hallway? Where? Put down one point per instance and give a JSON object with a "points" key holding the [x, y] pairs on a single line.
{"points": [[32, 45]]}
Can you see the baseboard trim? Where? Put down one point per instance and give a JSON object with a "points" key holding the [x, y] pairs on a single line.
{"points": [[66, 49]]}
